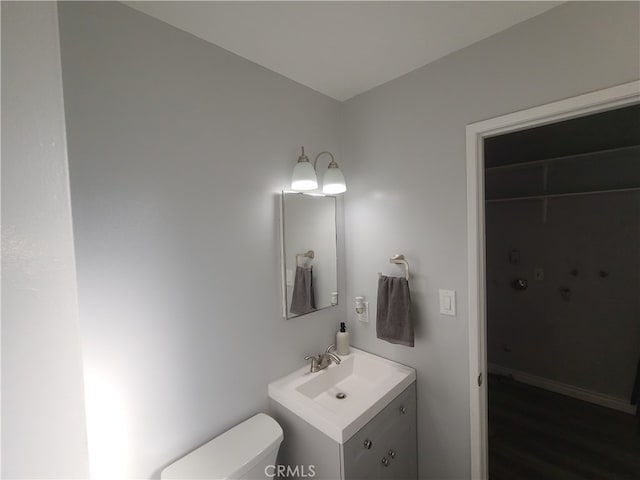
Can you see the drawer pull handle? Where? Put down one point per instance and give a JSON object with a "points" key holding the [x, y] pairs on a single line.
{"points": [[385, 461], [392, 454], [403, 410], [368, 444]]}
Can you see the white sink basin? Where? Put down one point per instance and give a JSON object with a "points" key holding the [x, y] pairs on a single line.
{"points": [[369, 383]]}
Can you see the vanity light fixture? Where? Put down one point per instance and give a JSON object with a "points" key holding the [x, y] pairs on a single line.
{"points": [[304, 176]]}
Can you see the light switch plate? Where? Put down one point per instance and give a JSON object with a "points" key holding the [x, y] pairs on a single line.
{"points": [[447, 302]]}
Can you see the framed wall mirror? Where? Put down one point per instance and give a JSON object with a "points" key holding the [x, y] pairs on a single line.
{"points": [[309, 253]]}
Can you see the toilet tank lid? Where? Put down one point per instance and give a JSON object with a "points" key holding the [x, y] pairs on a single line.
{"points": [[232, 453]]}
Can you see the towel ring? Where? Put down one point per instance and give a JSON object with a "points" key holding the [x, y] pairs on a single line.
{"points": [[398, 258], [309, 254]]}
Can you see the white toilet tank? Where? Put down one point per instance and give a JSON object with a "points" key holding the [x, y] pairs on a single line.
{"points": [[242, 452]]}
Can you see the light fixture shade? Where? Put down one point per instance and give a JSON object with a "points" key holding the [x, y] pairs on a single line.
{"points": [[304, 177], [333, 181]]}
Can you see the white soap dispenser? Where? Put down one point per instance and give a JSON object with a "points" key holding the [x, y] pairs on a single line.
{"points": [[342, 340]]}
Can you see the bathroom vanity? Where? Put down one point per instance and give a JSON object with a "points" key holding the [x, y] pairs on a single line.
{"points": [[355, 420]]}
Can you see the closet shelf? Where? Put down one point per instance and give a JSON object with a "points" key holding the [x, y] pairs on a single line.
{"points": [[557, 195], [546, 161]]}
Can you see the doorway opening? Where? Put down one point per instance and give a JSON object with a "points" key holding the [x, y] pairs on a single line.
{"points": [[562, 229], [548, 189]]}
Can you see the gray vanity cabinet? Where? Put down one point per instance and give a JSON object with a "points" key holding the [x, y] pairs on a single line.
{"points": [[385, 448]]}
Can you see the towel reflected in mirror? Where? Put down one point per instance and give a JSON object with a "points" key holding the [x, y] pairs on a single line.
{"points": [[303, 299]]}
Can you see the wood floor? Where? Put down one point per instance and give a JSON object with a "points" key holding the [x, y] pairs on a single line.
{"points": [[539, 435]]}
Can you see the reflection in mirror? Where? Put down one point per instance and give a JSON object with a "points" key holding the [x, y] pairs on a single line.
{"points": [[309, 259]]}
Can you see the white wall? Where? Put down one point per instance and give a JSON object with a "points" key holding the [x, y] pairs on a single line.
{"points": [[178, 151], [43, 416], [404, 150]]}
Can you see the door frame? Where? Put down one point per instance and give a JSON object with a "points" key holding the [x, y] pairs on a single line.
{"points": [[593, 102]]}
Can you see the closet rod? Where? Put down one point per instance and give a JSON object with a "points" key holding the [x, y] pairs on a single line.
{"points": [[534, 163], [556, 195]]}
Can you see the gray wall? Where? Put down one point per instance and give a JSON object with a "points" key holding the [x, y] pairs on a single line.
{"points": [[591, 341], [43, 415], [405, 145], [177, 151]]}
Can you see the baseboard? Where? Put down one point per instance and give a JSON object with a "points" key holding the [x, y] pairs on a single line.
{"points": [[615, 403]]}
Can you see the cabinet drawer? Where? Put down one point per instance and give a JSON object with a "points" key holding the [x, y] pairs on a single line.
{"points": [[392, 429]]}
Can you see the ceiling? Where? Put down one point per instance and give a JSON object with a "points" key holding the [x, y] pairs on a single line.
{"points": [[342, 49]]}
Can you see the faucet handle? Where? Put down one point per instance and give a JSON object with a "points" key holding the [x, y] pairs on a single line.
{"points": [[330, 348]]}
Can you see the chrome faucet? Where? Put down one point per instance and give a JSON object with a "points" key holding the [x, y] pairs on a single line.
{"points": [[323, 360]]}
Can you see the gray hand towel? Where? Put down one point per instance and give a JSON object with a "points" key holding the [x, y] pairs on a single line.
{"points": [[393, 322], [303, 299]]}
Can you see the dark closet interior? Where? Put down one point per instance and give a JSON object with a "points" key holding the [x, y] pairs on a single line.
{"points": [[563, 298]]}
